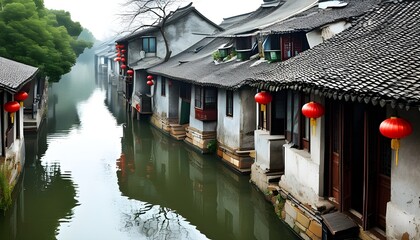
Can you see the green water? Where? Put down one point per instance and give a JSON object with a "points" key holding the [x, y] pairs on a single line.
{"points": [[92, 173]]}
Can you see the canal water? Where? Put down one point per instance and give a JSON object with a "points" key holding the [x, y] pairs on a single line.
{"points": [[93, 173]]}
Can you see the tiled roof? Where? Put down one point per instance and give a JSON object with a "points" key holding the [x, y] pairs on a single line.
{"points": [[196, 65], [13, 75], [227, 22], [264, 17], [177, 15], [316, 17], [377, 60]]}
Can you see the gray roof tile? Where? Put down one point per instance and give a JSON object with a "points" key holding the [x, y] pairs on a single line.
{"points": [[378, 58], [13, 75]]}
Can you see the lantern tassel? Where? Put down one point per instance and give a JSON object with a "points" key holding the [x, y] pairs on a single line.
{"points": [[21, 103], [313, 125], [395, 145], [12, 115], [263, 107]]}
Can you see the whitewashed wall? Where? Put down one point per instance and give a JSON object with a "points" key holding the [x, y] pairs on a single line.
{"points": [[303, 171], [403, 211]]}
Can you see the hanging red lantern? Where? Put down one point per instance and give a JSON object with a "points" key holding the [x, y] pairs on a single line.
{"points": [[118, 54], [395, 128], [123, 66], [122, 59], [123, 50], [11, 107], [150, 77], [313, 110], [263, 98], [130, 72], [21, 96], [150, 83], [117, 59]]}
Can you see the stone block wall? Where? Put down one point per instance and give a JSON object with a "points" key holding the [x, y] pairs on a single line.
{"points": [[304, 225]]}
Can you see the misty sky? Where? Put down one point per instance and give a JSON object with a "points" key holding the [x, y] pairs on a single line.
{"points": [[101, 16]]}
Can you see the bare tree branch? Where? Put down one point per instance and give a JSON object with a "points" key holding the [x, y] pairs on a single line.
{"points": [[140, 14]]}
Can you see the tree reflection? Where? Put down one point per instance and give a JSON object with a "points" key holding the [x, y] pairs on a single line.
{"points": [[157, 222]]}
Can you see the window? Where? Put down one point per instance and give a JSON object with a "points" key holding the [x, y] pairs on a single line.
{"points": [[205, 103], [243, 43], [297, 126], [229, 103], [198, 97], [163, 87], [149, 44], [292, 45], [210, 98], [205, 98]]}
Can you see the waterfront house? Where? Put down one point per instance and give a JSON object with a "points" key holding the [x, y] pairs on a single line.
{"points": [[222, 116], [14, 77], [146, 48], [105, 63], [362, 76], [280, 123]]}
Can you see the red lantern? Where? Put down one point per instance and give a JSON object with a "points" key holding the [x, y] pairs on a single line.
{"points": [[123, 50], [21, 96], [150, 77], [395, 128], [122, 59], [150, 83], [130, 72], [117, 59], [11, 107], [313, 110], [263, 97], [123, 66], [118, 54]]}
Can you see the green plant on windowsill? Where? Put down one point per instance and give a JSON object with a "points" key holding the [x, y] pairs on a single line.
{"points": [[216, 56], [5, 189]]}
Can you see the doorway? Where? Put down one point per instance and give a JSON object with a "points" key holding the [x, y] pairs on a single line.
{"points": [[359, 162]]}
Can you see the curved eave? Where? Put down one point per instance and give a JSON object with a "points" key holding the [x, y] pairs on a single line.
{"points": [[337, 94]]}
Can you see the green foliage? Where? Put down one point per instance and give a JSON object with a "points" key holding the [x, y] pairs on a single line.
{"points": [[212, 146], [216, 56], [47, 39], [5, 189]]}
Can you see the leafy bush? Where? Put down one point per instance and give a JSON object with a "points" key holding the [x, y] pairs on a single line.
{"points": [[5, 189]]}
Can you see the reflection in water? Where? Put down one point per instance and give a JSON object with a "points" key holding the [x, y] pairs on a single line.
{"points": [[220, 203], [91, 173]]}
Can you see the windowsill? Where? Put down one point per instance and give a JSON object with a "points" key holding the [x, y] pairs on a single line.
{"points": [[301, 152]]}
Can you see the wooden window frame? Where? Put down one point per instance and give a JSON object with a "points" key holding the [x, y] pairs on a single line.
{"points": [[198, 97], [229, 103], [296, 124], [205, 110]]}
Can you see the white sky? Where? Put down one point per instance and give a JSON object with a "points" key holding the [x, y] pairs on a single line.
{"points": [[100, 16]]}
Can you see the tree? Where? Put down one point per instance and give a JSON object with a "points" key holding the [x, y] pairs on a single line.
{"points": [[142, 14], [36, 36]]}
